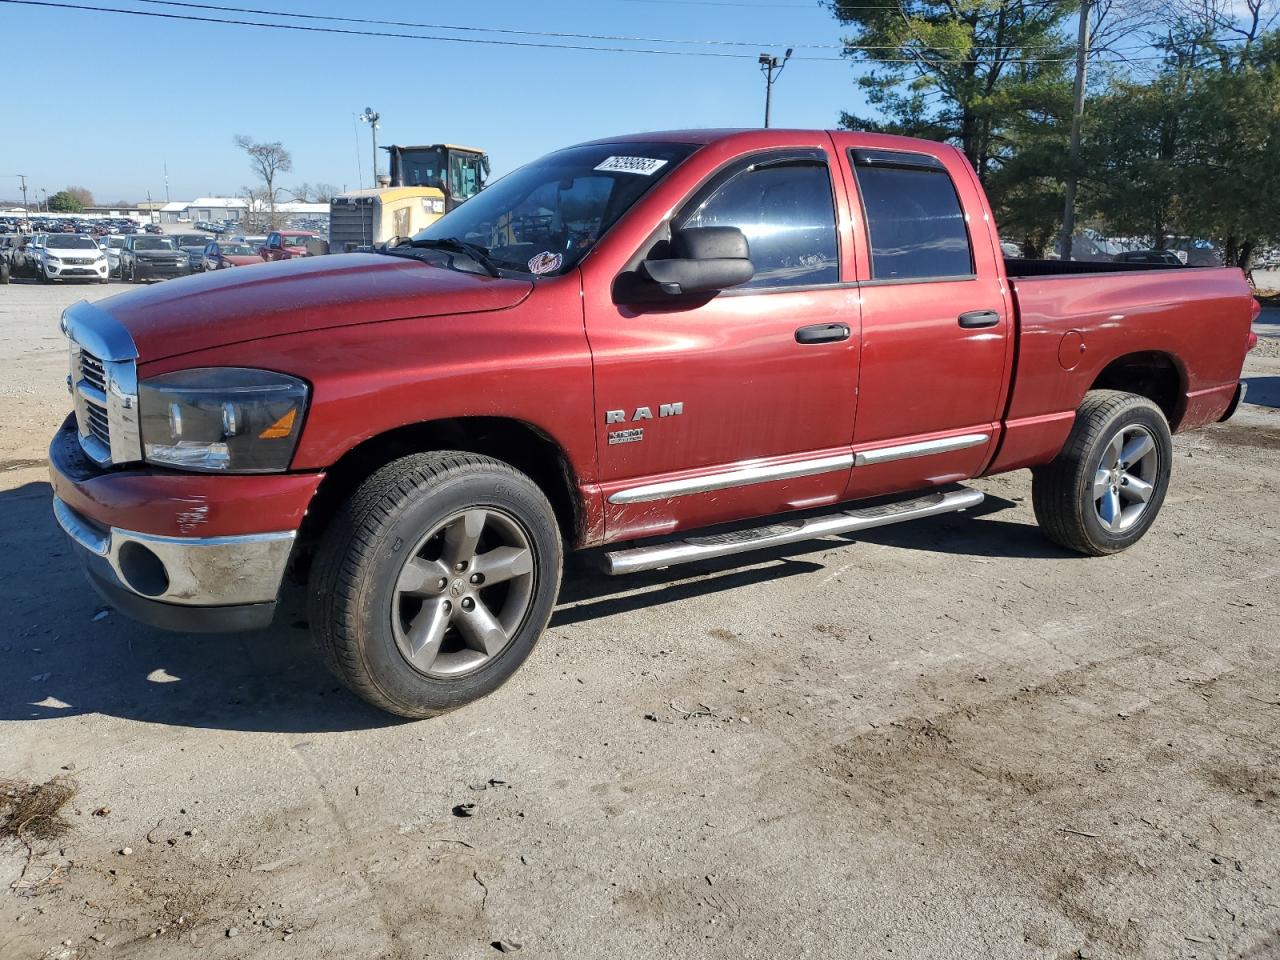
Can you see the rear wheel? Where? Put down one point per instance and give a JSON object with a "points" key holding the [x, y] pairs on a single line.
{"points": [[435, 581], [1104, 490]]}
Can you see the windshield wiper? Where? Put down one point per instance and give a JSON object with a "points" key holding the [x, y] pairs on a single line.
{"points": [[473, 250]]}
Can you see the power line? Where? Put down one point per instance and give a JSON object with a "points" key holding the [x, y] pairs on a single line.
{"points": [[476, 40], [468, 28]]}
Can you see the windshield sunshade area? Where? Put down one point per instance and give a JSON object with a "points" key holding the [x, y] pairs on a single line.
{"points": [[153, 243], [70, 243], [542, 219]]}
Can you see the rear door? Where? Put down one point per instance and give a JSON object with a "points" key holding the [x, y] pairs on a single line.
{"points": [[935, 319], [739, 404]]}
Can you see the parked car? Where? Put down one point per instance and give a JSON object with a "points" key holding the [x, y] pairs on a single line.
{"points": [[612, 347], [288, 244], [72, 256], [7, 244], [224, 254], [111, 245], [145, 258], [1166, 257], [153, 228], [25, 259], [192, 244]]}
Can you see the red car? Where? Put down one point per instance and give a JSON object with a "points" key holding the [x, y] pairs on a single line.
{"points": [[288, 244], [612, 347], [224, 254]]}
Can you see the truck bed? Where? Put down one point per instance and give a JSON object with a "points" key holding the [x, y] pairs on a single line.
{"points": [[1076, 318], [1025, 267]]}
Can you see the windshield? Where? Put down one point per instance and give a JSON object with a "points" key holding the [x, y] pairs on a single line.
{"points": [[237, 250], [544, 217], [153, 243], [116, 242], [295, 241], [71, 243], [420, 168]]}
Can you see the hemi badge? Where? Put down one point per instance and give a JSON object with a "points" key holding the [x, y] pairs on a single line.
{"points": [[626, 436]]}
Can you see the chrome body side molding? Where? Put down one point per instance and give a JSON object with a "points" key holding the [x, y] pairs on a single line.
{"points": [[922, 448], [739, 477]]}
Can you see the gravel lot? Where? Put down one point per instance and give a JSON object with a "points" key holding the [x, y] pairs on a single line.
{"points": [[938, 740]]}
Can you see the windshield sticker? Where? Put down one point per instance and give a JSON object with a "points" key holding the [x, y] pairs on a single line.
{"points": [[645, 166], [545, 262]]}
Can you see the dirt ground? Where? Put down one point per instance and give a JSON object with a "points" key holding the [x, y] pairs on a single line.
{"points": [[939, 740]]}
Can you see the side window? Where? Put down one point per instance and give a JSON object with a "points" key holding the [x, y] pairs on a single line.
{"points": [[788, 215], [915, 222]]}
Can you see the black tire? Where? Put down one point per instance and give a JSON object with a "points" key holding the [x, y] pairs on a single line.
{"points": [[353, 595], [1063, 491]]}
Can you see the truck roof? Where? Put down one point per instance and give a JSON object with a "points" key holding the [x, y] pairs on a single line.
{"points": [[432, 146], [779, 135]]}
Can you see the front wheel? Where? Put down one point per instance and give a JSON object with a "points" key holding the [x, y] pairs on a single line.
{"points": [[1104, 490], [435, 581]]}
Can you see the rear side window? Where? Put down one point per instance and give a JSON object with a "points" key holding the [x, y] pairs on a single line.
{"points": [[915, 222], [788, 215]]}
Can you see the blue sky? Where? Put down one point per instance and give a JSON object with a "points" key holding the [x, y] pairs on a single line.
{"points": [[129, 94]]}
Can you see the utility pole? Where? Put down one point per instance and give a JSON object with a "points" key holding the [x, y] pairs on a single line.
{"points": [[26, 209], [166, 181], [372, 118], [1077, 116], [771, 67]]}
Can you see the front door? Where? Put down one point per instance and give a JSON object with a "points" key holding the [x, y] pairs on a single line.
{"points": [[741, 404]]}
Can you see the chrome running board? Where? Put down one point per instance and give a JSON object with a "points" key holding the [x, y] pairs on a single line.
{"points": [[792, 531]]}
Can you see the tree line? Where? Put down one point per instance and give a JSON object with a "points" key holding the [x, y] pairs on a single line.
{"points": [[1180, 134]]}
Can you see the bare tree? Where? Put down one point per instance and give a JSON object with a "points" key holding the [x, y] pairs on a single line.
{"points": [[82, 194], [267, 160], [324, 192]]}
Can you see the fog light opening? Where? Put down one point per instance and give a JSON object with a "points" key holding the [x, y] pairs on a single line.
{"points": [[142, 570]]}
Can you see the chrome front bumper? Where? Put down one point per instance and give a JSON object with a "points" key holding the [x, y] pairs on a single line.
{"points": [[200, 574]]}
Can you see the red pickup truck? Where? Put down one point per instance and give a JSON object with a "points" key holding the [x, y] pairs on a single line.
{"points": [[775, 334], [288, 244]]}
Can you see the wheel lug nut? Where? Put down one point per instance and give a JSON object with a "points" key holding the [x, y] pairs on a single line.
{"points": [[448, 607], [442, 583], [468, 604], [477, 578], [460, 566]]}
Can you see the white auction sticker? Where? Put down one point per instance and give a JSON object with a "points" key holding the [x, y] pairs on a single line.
{"points": [[645, 166]]}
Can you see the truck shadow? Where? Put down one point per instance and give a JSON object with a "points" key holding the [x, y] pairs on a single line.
{"points": [[64, 653], [1263, 391]]}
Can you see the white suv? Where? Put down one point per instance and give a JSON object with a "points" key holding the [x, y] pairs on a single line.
{"points": [[67, 256]]}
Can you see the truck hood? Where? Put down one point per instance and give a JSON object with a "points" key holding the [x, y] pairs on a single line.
{"points": [[223, 307]]}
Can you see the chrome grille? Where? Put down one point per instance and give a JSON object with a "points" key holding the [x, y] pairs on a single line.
{"points": [[104, 385], [90, 382], [98, 423], [91, 371]]}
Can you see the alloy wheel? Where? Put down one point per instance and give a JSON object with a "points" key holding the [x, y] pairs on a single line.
{"points": [[463, 593], [1125, 479]]}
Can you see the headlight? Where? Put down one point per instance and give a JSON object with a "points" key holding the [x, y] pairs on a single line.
{"points": [[222, 419]]}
